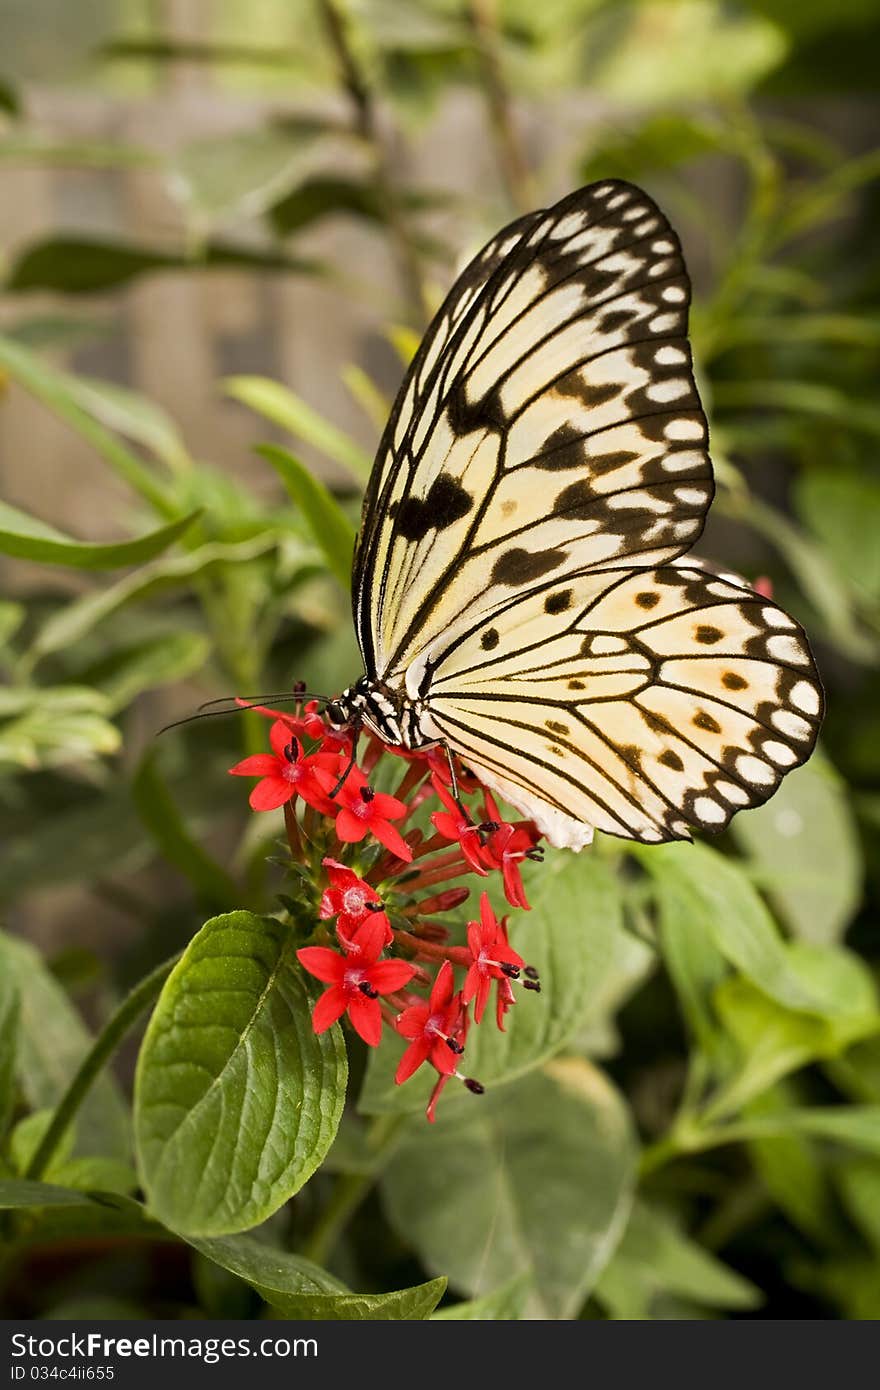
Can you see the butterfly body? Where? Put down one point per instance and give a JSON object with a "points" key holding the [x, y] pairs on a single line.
{"points": [[522, 592]]}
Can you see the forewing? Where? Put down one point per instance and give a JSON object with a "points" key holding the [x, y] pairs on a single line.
{"points": [[643, 704], [549, 424]]}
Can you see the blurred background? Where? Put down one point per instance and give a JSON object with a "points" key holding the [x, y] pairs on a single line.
{"points": [[224, 223]]}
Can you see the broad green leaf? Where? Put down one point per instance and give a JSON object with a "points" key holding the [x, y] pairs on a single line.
{"points": [[539, 1176], [838, 505], [717, 898], [95, 1174], [52, 1042], [161, 817], [79, 617], [16, 1193], [692, 958], [662, 141], [26, 538], [50, 726], [858, 1181], [91, 265], [9, 1018], [857, 1126], [298, 1288], [132, 415], [569, 936], [27, 1136], [506, 1304], [804, 845], [332, 531], [241, 174], [790, 1168], [774, 1040], [236, 1099], [655, 1257], [147, 665], [52, 387], [280, 405]]}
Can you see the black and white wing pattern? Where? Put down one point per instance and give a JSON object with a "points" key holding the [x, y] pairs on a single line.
{"points": [[548, 424], [640, 703], [519, 588]]}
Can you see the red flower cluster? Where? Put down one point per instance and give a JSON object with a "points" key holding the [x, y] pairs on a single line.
{"points": [[386, 887]]}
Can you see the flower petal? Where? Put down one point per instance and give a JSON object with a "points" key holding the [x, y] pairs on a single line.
{"points": [[366, 1017], [391, 974], [412, 1059], [350, 827], [443, 1058], [390, 838], [323, 963], [271, 793], [443, 987], [411, 1023], [329, 1008], [281, 735], [257, 765]]}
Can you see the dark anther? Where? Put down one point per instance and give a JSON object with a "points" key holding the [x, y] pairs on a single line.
{"points": [[530, 972], [537, 854], [367, 794], [511, 971], [366, 988], [291, 752], [374, 907], [489, 827], [454, 1046], [475, 1087], [532, 984], [299, 689]]}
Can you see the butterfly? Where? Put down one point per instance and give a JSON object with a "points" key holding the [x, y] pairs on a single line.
{"points": [[519, 590]]}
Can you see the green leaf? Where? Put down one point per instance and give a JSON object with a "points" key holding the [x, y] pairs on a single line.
{"points": [[328, 524], [790, 1168], [655, 1257], [130, 414], [27, 1136], [51, 726], [66, 627], [663, 141], [855, 1125], [280, 405], [774, 1040], [147, 665], [569, 936], [18, 1193], [804, 847], [92, 265], [858, 1180], [712, 893], [161, 817], [236, 1098], [9, 1017], [10, 99], [297, 1288], [838, 504], [539, 1174], [96, 1174], [240, 174], [506, 1304], [29, 539], [53, 389], [52, 1042]]}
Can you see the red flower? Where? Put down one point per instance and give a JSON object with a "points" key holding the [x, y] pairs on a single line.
{"points": [[363, 810], [352, 901], [492, 958], [287, 772], [505, 849], [452, 825], [432, 1029], [356, 980]]}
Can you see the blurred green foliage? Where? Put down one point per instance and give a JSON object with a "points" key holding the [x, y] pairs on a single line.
{"points": [[700, 1116]]}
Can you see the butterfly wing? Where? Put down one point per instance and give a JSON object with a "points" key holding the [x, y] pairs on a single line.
{"points": [[549, 423], [640, 703]]}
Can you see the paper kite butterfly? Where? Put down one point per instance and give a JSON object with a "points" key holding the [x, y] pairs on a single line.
{"points": [[518, 589]]}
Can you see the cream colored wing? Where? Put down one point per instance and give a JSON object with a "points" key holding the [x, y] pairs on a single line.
{"points": [[549, 424], [640, 703]]}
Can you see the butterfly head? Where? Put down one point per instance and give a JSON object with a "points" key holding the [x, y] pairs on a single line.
{"points": [[373, 705]]}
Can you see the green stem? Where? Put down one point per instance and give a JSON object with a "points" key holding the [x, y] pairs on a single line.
{"points": [[482, 16], [125, 1017], [349, 1192]]}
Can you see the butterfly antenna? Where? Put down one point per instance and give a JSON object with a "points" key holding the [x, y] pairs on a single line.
{"points": [[205, 711]]}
